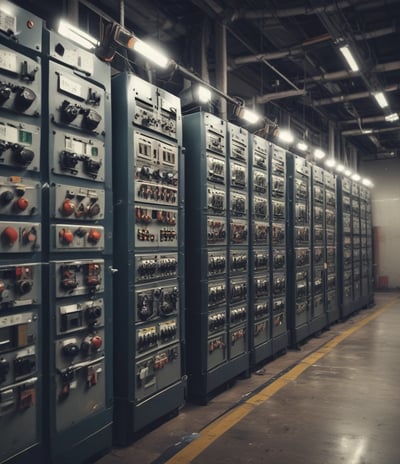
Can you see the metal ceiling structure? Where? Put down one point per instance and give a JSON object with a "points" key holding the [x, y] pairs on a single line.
{"points": [[281, 56]]}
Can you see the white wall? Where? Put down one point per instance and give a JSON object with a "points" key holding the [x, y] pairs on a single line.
{"points": [[385, 175]]}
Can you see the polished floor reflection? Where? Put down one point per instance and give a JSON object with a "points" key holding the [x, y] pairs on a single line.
{"points": [[344, 406]]}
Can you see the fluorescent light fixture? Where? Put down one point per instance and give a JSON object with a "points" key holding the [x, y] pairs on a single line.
{"points": [[348, 172], [286, 136], [356, 177], [330, 163], [366, 131], [76, 35], [319, 154], [340, 168], [248, 115], [302, 146], [381, 99], [346, 52], [392, 117], [203, 94], [151, 53], [367, 182]]}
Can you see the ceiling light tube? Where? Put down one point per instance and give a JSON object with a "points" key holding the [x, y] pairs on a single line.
{"points": [[356, 177], [340, 167], [248, 115], [392, 117], [204, 95], [302, 146], [346, 52], [286, 136], [319, 154], [381, 99], [76, 35], [151, 53]]}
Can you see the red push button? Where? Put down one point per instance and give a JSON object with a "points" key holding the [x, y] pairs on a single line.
{"points": [[68, 207], [21, 204], [9, 235], [94, 236], [66, 236], [96, 342]]}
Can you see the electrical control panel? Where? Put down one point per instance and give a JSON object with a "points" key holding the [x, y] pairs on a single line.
{"points": [[19, 145], [156, 228], [20, 237], [19, 197], [20, 285], [66, 238], [238, 262], [155, 267], [156, 302]]}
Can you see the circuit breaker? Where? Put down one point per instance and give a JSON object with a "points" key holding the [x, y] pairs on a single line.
{"points": [[21, 244], [260, 260], [149, 296], [79, 227], [278, 247], [216, 246]]}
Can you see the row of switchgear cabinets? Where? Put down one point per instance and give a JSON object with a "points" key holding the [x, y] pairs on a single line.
{"points": [[130, 282]]}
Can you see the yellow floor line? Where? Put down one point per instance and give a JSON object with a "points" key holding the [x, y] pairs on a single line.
{"points": [[217, 428]]}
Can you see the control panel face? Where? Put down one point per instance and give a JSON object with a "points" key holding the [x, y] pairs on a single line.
{"points": [[156, 227], [302, 256], [155, 302], [238, 143], [217, 351], [20, 83], [318, 216], [260, 208], [17, 331], [77, 203], [154, 109], [78, 156], [72, 317], [156, 170], [20, 237], [278, 234], [238, 204], [238, 175], [16, 366], [261, 310], [301, 190], [215, 133], [76, 103], [277, 187], [237, 341], [155, 266], [261, 287], [318, 236], [155, 335], [330, 218], [216, 321], [278, 259], [318, 194], [216, 231], [278, 210], [19, 197], [261, 233], [216, 201], [216, 263], [238, 290], [237, 314], [67, 237], [278, 162], [318, 255], [261, 332], [19, 145], [260, 260], [216, 293], [216, 169], [260, 152], [239, 231], [156, 371], [85, 277], [330, 199], [20, 285], [278, 284], [260, 182], [238, 262], [79, 347]]}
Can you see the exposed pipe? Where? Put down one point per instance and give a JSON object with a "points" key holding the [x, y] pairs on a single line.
{"points": [[370, 131], [122, 12], [331, 139], [221, 69], [362, 121], [352, 96], [279, 95], [73, 11]]}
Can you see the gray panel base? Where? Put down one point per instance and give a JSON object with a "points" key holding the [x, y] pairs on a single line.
{"points": [[348, 309], [261, 353], [33, 454], [199, 389], [364, 300], [280, 343], [299, 334], [88, 448], [333, 315], [318, 323], [130, 418]]}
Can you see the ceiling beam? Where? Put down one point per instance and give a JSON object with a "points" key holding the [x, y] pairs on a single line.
{"points": [[370, 131], [279, 95], [362, 121], [352, 96]]}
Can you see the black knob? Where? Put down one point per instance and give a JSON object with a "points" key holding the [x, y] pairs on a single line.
{"points": [[70, 350], [24, 98], [69, 111], [91, 119], [6, 197], [4, 368], [68, 160], [22, 155], [5, 92], [25, 286]]}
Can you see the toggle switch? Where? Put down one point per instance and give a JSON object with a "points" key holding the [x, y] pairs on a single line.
{"points": [[69, 111]]}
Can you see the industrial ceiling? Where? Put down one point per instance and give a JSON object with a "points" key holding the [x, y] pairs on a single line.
{"points": [[282, 57]]}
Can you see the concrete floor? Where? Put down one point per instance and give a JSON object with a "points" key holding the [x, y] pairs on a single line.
{"points": [[343, 408]]}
